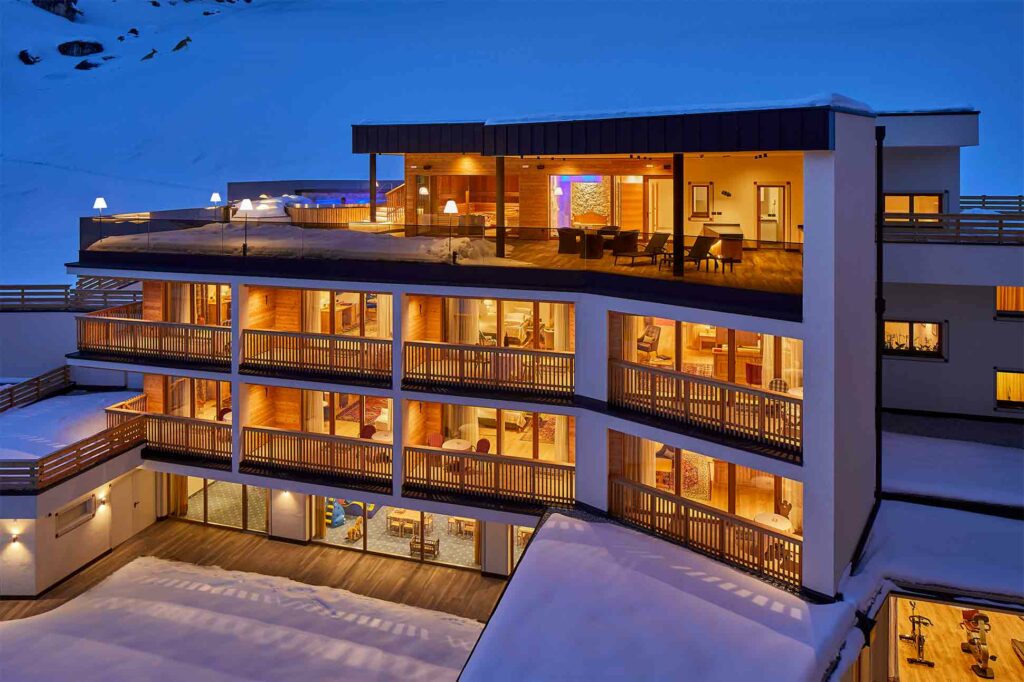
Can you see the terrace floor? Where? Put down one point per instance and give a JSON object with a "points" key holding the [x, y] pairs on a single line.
{"points": [[457, 591], [774, 270]]}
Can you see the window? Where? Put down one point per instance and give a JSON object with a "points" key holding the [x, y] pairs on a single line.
{"points": [[912, 204], [700, 201], [75, 515], [920, 339], [1010, 389], [1010, 302]]}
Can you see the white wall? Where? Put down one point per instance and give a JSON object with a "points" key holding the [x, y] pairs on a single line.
{"points": [[931, 130], [970, 264], [924, 170], [838, 349], [289, 515], [975, 343], [33, 343]]}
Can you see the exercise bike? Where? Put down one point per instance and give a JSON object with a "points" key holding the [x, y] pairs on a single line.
{"points": [[976, 624], [916, 636]]}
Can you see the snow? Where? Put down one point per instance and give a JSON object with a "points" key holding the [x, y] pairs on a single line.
{"points": [[41, 428], [592, 600], [836, 101], [156, 619], [952, 469], [291, 241]]}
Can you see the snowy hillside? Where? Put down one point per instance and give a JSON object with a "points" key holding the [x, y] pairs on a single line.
{"points": [[261, 91]]}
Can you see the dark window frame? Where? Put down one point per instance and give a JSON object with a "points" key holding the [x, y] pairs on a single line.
{"points": [[910, 352], [1005, 405], [911, 196]]}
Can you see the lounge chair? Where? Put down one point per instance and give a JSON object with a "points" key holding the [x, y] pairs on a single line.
{"points": [[655, 247], [701, 252], [625, 242]]}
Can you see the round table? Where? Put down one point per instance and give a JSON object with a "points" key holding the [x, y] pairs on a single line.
{"points": [[457, 444], [774, 521], [382, 436]]}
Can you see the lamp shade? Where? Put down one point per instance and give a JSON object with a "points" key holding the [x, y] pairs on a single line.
{"points": [[215, 198], [99, 203], [450, 207], [559, 192], [245, 205], [424, 191]]}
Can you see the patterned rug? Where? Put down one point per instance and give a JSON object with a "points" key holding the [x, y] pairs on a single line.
{"points": [[373, 409], [547, 431]]}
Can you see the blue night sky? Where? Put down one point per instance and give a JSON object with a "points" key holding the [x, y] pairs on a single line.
{"points": [[506, 59]]}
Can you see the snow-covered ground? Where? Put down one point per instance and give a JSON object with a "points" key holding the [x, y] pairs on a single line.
{"points": [[592, 600], [163, 620], [38, 429], [952, 469]]}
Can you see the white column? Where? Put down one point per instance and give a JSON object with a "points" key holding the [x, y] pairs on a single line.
{"points": [[398, 435], [240, 397], [495, 558], [592, 348], [289, 515], [592, 459], [838, 329]]}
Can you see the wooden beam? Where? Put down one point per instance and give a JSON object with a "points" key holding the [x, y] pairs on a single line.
{"points": [[678, 224], [499, 176], [373, 188]]}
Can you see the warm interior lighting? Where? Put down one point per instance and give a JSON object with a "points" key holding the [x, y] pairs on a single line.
{"points": [[99, 204], [558, 192], [215, 198], [450, 208], [246, 205], [14, 537], [102, 501], [424, 191], [264, 196]]}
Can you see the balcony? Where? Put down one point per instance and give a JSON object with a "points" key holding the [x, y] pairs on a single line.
{"points": [[765, 418], [185, 440], [774, 556], [542, 373], [529, 482], [954, 228], [120, 334], [317, 458], [317, 356]]}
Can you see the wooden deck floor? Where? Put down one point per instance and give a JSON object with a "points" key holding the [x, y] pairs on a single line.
{"points": [[774, 270], [451, 590]]}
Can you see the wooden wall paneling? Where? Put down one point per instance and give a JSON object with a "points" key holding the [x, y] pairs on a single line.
{"points": [[152, 300], [631, 206], [260, 406], [533, 201], [616, 467], [153, 387], [616, 322], [287, 408], [260, 307], [288, 310]]}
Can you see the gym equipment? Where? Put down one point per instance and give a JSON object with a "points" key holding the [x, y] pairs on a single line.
{"points": [[976, 625], [916, 636]]}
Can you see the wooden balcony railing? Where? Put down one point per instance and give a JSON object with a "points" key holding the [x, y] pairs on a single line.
{"points": [[126, 410], [764, 552], [954, 228], [35, 389], [394, 204], [133, 339], [764, 417], [38, 474], [205, 442], [517, 370], [491, 476], [317, 354], [312, 454], [1004, 203], [329, 215], [61, 297]]}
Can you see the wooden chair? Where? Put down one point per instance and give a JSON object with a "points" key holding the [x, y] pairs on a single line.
{"points": [[435, 440], [569, 239], [367, 431], [655, 247], [430, 548], [483, 446], [625, 242], [778, 385], [395, 526]]}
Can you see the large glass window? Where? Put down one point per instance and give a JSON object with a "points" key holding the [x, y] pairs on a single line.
{"points": [[508, 323], [197, 398], [1010, 389], [912, 204], [1010, 302], [219, 503], [581, 201], [922, 339]]}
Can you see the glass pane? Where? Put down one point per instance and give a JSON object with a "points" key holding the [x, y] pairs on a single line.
{"points": [[705, 350], [1010, 300], [556, 326], [518, 323], [256, 508], [1010, 389], [488, 316], [697, 477], [392, 530], [346, 313], [926, 337], [517, 433], [520, 537], [343, 522], [378, 418], [225, 503], [379, 316], [453, 540], [755, 494], [179, 397], [927, 203], [753, 356], [194, 510], [897, 336], [792, 504], [554, 433], [700, 200], [347, 415], [897, 203], [487, 428]]}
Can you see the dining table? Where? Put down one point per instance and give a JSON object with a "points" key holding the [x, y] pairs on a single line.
{"points": [[457, 445], [774, 521], [381, 436]]}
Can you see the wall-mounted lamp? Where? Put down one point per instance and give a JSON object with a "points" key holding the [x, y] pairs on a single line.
{"points": [[14, 538], [540, 166], [427, 167], [102, 501], [726, 193]]}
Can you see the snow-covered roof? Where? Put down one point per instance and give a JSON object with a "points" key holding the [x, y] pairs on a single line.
{"points": [[36, 430], [833, 100], [930, 111], [593, 600]]}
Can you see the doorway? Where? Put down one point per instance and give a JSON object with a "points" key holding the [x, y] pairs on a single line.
{"points": [[772, 231], [659, 204]]}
